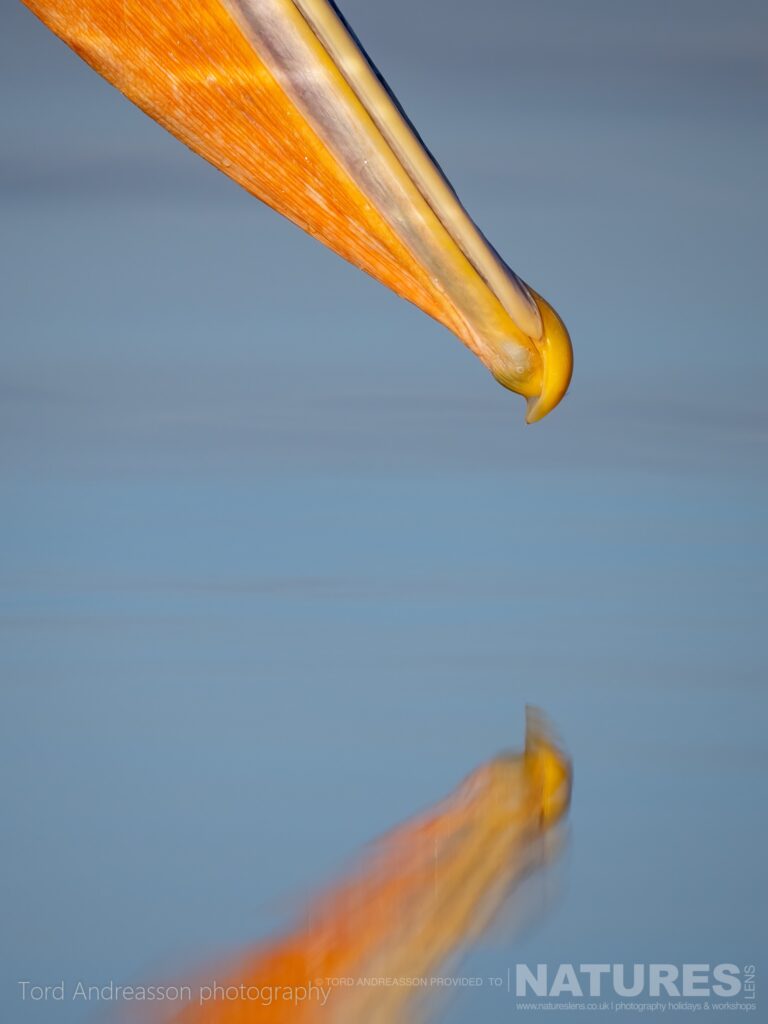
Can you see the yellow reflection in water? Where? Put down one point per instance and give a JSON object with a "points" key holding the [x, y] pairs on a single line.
{"points": [[367, 949]]}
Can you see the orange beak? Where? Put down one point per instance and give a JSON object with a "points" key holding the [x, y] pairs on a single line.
{"points": [[279, 96]]}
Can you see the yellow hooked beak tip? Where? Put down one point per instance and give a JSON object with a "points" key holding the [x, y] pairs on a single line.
{"points": [[547, 382], [556, 363]]}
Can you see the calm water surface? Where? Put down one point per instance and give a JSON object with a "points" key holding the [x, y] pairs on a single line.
{"points": [[281, 563]]}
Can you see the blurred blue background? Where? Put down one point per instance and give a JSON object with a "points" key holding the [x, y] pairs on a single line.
{"points": [[281, 562]]}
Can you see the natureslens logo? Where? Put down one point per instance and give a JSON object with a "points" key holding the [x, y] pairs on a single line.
{"points": [[623, 981]]}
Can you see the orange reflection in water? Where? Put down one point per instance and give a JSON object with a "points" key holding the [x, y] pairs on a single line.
{"points": [[366, 949]]}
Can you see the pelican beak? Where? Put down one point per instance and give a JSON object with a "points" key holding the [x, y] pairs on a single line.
{"points": [[279, 95]]}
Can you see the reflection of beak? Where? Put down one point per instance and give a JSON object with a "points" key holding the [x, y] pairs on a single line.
{"points": [[549, 768], [418, 898], [279, 96]]}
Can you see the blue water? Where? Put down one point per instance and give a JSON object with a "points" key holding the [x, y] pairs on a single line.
{"points": [[281, 563]]}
